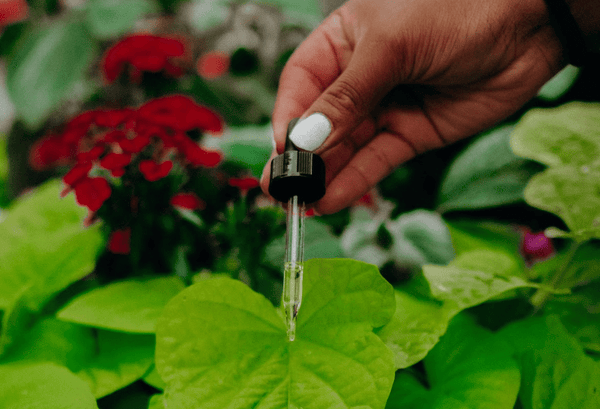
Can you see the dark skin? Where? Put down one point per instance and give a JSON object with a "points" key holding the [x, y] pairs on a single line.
{"points": [[397, 78]]}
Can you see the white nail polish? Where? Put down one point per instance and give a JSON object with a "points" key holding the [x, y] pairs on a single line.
{"points": [[311, 132]]}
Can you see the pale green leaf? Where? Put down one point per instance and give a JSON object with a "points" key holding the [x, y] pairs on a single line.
{"points": [[415, 328], [469, 368], [46, 386], [469, 235], [110, 18], [129, 306], [156, 402], [567, 139], [488, 275], [46, 66], [44, 247], [221, 345], [153, 378], [486, 174], [106, 360]]}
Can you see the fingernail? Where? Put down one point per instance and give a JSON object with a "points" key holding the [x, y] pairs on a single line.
{"points": [[272, 135], [311, 132]]}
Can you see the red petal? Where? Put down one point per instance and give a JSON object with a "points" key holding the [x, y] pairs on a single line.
{"points": [[115, 160], [12, 11], [92, 192], [113, 118], [244, 183], [119, 241], [212, 65], [77, 173], [134, 145], [91, 155], [152, 63], [153, 171], [49, 152], [187, 201]]}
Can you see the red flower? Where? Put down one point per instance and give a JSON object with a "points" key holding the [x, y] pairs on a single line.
{"points": [[180, 113], [49, 152], [244, 184], [119, 241], [134, 145], [91, 155], [188, 201], [143, 52], [114, 161], [153, 171], [78, 127], [12, 11], [77, 173], [114, 117], [92, 192], [536, 246], [212, 65], [195, 154]]}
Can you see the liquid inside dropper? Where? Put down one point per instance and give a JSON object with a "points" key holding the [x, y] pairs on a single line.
{"points": [[292, 295]]}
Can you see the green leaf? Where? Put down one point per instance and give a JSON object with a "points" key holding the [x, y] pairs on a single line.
{"points": [[43, 247], [4, 199], [567, 139], [106, 360], [153, 378], [46, 66], [111, 18], [559, 84], [583, 267], [469, 235], [319, 242], [580, 314], [221, 345], [45, 386], [469, 368], [249, 146], [129, 306], [418, 237], [486, 174], [121, 360], [475, 277], [206, 14], [157, 402], [415, 328], [555, 373]]}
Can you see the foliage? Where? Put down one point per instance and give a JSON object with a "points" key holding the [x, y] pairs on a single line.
{"points": [[147, 272]]}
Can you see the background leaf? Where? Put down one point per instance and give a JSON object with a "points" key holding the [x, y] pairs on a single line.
{"points": [[129, 306], [106, 360], [570, 188], [559, 84], [469, 368], [45, 386], [469, 235], [319, 242], [486, 174], [110, 18], [487, 275], [46, 66], [243, 357], [555, 373]]}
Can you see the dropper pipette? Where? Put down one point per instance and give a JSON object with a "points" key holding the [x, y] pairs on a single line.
{"points": [[298, 178]]}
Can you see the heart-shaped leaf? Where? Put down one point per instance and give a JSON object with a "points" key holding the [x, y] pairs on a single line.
{"points": [[129, 306], [567, 139], [469, 368], [47, 386], [486, 174], [221, 345]]}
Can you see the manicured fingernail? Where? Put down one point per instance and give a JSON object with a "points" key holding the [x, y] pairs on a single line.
{"points": [[272, 135], [311, 132]]}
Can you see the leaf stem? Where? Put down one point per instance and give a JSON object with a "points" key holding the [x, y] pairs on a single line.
{"points": [[541, 296]]}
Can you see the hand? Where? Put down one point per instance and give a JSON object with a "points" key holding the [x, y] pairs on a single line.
{"points": [[396, 78]]}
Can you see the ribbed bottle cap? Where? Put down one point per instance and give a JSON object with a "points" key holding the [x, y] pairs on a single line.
{"points": [[297, 173]]}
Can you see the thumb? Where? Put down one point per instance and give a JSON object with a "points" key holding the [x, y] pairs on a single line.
{"points": [[345, 104]]}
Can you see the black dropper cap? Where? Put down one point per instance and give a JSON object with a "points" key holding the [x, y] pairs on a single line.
{"points": [[297, 173]]}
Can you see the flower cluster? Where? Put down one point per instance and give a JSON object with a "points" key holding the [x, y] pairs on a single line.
{"points": [[105, 144], [144, 52]]}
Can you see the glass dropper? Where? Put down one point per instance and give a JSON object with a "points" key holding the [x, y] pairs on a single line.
{"points": [[297, 178]]}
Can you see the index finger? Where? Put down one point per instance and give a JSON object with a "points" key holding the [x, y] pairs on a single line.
{"points": [[315, 65]]}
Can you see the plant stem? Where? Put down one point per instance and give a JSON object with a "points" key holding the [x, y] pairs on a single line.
{"points": [[541, 296]]}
